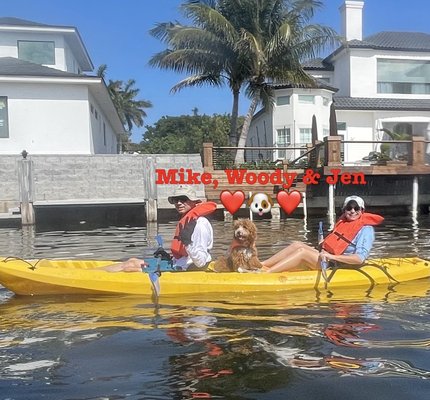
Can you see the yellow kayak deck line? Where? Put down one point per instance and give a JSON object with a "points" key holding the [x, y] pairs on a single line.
{"points": [[47, 277]]}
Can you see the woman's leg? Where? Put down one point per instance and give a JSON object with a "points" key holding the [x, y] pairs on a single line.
{"points": [[304, 256], [284, 253], [131, 265]]}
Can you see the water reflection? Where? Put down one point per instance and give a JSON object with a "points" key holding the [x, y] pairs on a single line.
{"points": [[259, 346], [230, 346]]}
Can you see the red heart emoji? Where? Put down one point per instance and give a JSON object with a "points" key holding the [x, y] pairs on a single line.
{"points": [[289, 201], [232, 201]]}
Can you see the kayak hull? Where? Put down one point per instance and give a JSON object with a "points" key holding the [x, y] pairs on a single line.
{"points": [[48, 277]]}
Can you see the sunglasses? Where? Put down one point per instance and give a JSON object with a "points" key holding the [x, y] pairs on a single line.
{"points": [[182, 199], [355, 208]]}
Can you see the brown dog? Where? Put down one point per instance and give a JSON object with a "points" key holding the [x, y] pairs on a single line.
{"points": [[243, 251]]}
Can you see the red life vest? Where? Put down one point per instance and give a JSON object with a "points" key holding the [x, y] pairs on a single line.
{"points": [[200, 210], [345, 231]]}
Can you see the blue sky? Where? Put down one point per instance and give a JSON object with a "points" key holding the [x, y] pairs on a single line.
{"points": [[116, 33]]}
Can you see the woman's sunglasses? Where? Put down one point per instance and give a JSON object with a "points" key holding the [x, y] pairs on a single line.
{"points": [[355, 208]]}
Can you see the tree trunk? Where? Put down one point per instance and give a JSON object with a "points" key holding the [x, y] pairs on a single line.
{"points": [[240, 155], [234, 116]]}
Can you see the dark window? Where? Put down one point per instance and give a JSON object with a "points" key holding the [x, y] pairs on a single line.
{"points": [[341, 126], [403, 76], [4, 126], [282, 100], [37, 52]]}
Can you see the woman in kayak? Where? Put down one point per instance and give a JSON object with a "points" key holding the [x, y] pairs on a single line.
{"points": [[193, 238], [349, 243]]}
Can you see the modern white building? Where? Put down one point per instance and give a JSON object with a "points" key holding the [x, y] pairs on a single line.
{"points": [[47, 104], [381, 81]]}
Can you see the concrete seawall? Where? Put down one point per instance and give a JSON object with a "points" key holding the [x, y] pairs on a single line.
{"points": [[67, 180]]}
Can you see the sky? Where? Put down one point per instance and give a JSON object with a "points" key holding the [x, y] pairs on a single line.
{"points": [[116, 33]]}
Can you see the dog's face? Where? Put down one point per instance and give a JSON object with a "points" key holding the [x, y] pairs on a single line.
{"points": [[245, 231], [260, 203]]}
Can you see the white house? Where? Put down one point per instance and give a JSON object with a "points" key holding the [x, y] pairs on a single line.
{"points": [[47, 104], [381, 81]]}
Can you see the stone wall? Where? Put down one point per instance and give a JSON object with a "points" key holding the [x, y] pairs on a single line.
{"points": [[177, 161], [9, 187], [93, 178]]}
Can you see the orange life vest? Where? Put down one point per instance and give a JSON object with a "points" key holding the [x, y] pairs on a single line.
{"points": [[345, 231], [200, 210]]}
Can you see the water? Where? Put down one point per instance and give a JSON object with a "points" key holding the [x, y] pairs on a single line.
{"points": [[331, 345]]}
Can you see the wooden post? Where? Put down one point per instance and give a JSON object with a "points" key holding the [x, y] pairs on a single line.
{"points": [[151, 190], [26, 191], [314, 157], [208, 158], [333, 150], [310, 158], [418, 153], [285, 165]]}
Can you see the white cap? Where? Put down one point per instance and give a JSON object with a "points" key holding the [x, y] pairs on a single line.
{"points": [[357, 199]]}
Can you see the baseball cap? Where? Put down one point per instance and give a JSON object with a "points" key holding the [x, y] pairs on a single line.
{"points": [[357, 199]]}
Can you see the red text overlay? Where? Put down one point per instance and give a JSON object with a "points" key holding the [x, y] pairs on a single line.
{"points": [[186, 176]]}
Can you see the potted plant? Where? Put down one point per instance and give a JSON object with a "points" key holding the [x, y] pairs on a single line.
{"points": [[396, 152]]}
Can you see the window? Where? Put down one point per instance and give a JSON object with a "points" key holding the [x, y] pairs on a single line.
{"points": [[326, 132], [305, 135], [341, 126], [306, 99], [282, 100], [403, 76], [96, 114], [4, 126], [37, 52], [326, 101], [283, 140]]}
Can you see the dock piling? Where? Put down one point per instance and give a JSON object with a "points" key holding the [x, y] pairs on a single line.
{"points": [[26, 191]]}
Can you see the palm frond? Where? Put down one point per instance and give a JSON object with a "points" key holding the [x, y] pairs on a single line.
{"points": [[197, 80]]}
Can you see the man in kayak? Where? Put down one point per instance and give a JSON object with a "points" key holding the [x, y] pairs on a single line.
{"points": [[349, 243], [193, 238]]}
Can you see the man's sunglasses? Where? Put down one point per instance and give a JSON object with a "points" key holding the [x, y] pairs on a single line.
{"points": [[181, 199], [349, 208]]}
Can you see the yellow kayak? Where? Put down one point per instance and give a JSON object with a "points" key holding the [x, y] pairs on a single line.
{"points": [[45, 277]]}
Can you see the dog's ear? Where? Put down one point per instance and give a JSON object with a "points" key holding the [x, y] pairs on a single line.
{"points": [[251, 199], [270, 200]]}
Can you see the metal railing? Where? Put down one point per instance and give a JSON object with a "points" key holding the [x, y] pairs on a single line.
{"points": [[327, 153], [222, 157]]}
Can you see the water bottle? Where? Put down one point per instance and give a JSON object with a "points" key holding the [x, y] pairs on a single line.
{"points": [[320, 233], [324, 266]]}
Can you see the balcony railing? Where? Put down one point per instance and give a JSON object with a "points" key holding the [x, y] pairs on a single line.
{"points": [[327, 153]]}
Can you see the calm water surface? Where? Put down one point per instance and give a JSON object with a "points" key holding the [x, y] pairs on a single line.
{"points": [[330, 345]]}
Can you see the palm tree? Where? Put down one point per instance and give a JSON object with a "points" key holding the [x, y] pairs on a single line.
{"points": [[130, 111], [206, 50], [278, 38]]}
